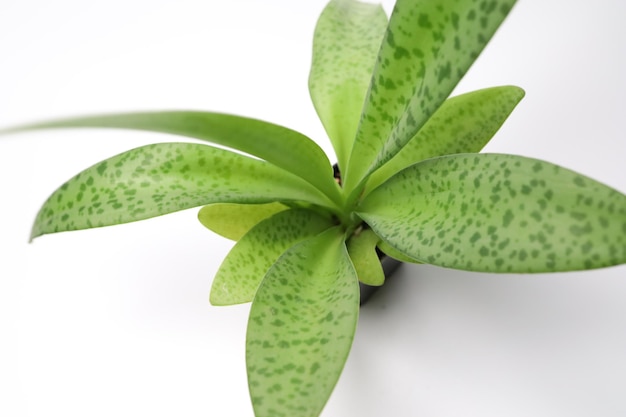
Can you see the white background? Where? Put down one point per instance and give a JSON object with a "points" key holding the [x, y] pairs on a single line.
{"points": [[116, 321]]}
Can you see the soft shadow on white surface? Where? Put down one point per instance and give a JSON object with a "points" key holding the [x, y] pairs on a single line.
{"points": [[117, 321], [437, 342]]}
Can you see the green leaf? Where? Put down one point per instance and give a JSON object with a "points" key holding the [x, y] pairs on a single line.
{"points": [[392, 252], [428, 47], [232, 221], [276, 144], [499, 213], [463, 124], [162, 178], [301, 327], [347, 39], [240, 274], [362, 250]]}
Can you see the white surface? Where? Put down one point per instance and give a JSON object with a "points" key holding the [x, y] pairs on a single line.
{"points": [[116, 321]]}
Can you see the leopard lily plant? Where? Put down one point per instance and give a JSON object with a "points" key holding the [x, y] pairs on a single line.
{"points": [[412, 185]]}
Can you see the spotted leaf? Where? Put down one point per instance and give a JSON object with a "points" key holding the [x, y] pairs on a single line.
{"points": [[301, 327], [463, 124], [499, 213], [346, 41], [392, 252], [163, 178], [232, 220], [428, 47], [239, 276], [276, 144]]}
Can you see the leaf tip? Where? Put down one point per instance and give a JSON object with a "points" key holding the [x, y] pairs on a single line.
{"points": [[33, 235], [520, 92]]}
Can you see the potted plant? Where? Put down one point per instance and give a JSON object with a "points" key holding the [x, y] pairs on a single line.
{"points": [[412, 185]]}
